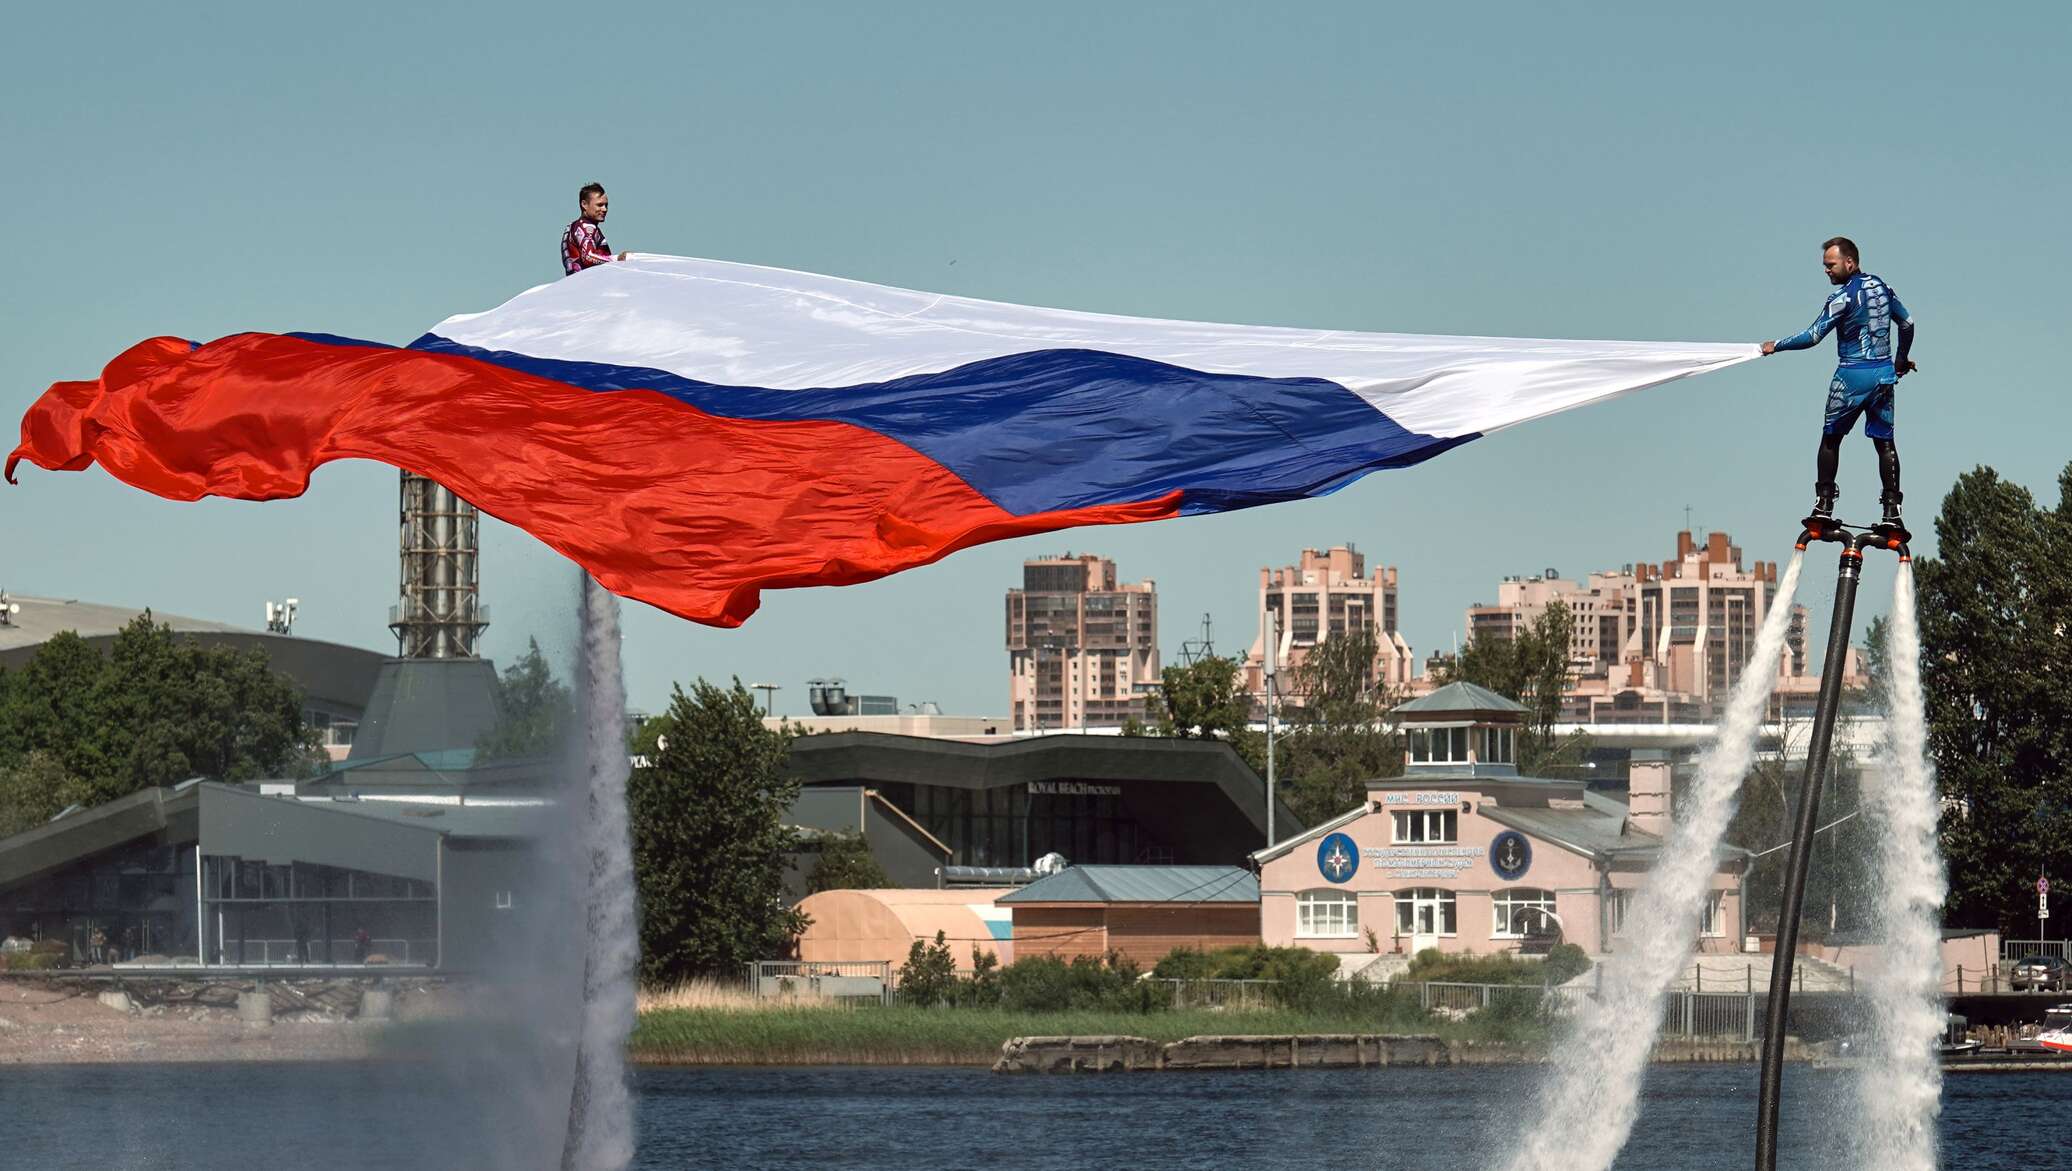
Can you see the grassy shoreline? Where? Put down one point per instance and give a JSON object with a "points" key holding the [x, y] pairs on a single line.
{"points": [[905, 1035]]}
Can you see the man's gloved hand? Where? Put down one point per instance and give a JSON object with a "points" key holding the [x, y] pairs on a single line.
{"points": [[1902, 369]]}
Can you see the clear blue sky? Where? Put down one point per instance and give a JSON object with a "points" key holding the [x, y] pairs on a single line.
{"points": [[1539, 170]]}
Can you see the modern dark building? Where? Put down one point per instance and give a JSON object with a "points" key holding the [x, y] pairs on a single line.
{"points": [[435, 857], [1092, 799]]}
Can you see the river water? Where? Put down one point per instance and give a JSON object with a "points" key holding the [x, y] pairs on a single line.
{"points": [[317, 1117]]}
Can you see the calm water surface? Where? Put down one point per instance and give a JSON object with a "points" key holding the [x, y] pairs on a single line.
{"points": [[319, 1117]]}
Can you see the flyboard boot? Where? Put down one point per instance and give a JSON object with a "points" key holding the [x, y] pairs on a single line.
{"points": [[1892, 527], [1821, 521]]}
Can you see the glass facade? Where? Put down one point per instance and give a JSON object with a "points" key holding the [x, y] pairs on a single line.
{"points": [[1016, 824], [289, 913], [136, 900]]}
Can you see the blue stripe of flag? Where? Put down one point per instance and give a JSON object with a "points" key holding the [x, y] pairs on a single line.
{"points": [[1071, 428]]}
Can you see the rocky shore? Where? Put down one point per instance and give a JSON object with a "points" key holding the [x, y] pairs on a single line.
{"points": [[72, 1019], [1111, 1054]]}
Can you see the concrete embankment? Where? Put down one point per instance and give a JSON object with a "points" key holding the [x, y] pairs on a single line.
{"points": [[1114, 1053]]}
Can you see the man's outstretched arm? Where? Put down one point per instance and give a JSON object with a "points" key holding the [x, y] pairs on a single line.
{"points": [[1808, 337]]}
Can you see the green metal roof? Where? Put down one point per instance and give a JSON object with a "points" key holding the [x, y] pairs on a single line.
{"points": [[1459, 697], [1141, 884]]}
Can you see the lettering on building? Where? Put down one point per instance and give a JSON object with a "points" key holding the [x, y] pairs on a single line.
{"points": [[1073, 789], [1423, 861]]}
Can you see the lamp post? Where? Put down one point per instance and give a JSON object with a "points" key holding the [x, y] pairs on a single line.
{"points": [[1273, 659], [769, 691]]}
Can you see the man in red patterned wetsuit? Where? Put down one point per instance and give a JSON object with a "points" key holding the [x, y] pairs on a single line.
{"points": [[582, 245]]}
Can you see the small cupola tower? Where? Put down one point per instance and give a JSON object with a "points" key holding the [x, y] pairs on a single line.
{"points": [[1461, 730]]}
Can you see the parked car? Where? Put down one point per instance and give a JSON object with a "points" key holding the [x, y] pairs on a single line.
{"points": [[2040, 974]]}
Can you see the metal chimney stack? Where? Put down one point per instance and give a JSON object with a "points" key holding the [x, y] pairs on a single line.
{"points": [[440, 615]]}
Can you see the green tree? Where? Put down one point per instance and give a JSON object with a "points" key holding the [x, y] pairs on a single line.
{"points": [[709, 839], [1995, 612], [155, 710], [1206, 700], [1874, 696], [533, 709], [33, 790], [1338, 735], [846, 863]]}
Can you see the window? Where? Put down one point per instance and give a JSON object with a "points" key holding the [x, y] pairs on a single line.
{"points": [[1496, 746], [1425, 910], [1439, 745], [1619, 903], [1327, 914], [1521, 912], [1427, 825], [1712, 921]]}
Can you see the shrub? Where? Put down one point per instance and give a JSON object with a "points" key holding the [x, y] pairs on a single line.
{"points": [[1303, 977], [1469, 968], [1512, 1016], [983, 989], [1049, 984], [929, 976], [1186, 963], [1564, 962]]}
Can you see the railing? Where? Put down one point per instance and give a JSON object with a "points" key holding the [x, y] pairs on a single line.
{"points": [[1736, 1015], [1457, 999], [1206, 993], [821, 981], [1994, 979], [2014, 949], [285, 953]]}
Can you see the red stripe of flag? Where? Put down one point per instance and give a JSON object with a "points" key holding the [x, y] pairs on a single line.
{"points": [[662, 502]]}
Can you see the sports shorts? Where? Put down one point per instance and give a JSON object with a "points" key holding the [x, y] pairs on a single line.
{"points": [[1861, 390]]}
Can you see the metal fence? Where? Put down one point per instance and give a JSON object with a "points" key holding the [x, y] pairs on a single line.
{"points": [[2015, 949], [1239, 994], [822, 981], [1725, 1015], [253, 953]]}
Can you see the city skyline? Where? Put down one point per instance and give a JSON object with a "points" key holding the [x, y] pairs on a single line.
{"points": [[1345, 196]]}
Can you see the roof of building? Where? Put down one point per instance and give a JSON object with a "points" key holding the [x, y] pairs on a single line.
{"points": [[78, 832], [332, 673], [427, 706], [1599, 829], [1311, 834], [1460, 697], [471, 820], [1141, 884], [884, 925], [242, 820]]}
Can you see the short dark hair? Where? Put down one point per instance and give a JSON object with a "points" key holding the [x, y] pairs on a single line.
{"points": [[1844, 243], [590, 189]]}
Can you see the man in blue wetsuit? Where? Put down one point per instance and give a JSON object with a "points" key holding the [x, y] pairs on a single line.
{"points": [[1863, 313]]}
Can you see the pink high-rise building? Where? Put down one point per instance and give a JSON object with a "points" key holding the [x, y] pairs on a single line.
{"points": [[1658, 643], [1325, 595], [1082, 646]]}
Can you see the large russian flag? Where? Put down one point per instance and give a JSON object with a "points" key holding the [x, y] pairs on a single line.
{"points": [[693, 432]]}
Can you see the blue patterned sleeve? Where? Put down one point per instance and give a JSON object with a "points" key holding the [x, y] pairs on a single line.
{"points": [[1903, 321], [1810, 336]]}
